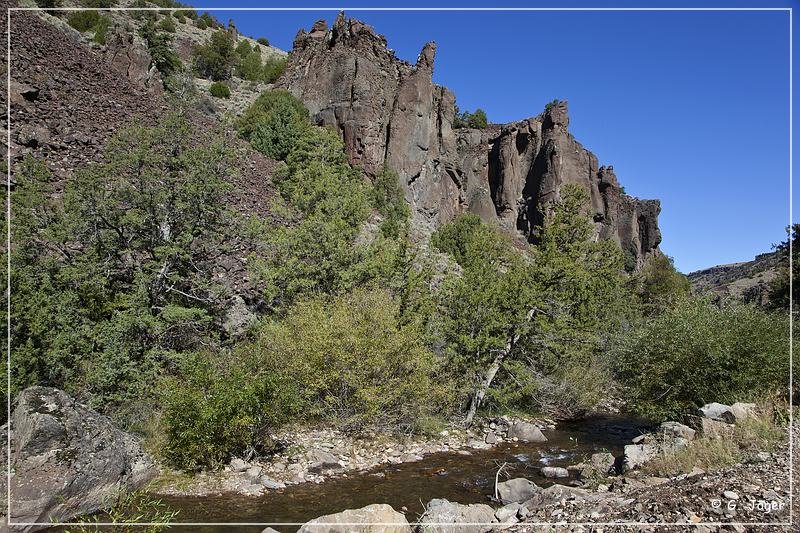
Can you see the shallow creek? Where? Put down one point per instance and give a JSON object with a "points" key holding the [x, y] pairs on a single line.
{"points": [[449, 475]]}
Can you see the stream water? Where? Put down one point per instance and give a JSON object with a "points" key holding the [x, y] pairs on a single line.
{"points": [[449, 475]]}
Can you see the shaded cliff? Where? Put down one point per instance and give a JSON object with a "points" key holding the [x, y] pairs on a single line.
{"points": [[390, 112]]}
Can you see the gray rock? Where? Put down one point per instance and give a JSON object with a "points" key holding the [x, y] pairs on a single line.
{"points": [[556, 493], [714, 428], [602, 463], [238, 317], [676, 429], [516, 490], [253, 473], [270, 483], [554, 472], [742, 411], [238, 465], [526, 432], [68, 460], [322, 460], [491, 438], [635, 455], [375, 518], [269, 530], [507, 511], [33, 136], [717, 411], [440, 514], [729, 494]]}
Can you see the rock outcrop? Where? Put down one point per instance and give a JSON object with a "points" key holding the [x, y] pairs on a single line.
{"points": [[390, 112], [377, 517], [442, 516], [67, 460]]}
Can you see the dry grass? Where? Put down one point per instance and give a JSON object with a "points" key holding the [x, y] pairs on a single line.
{"points": [[763, 432]]}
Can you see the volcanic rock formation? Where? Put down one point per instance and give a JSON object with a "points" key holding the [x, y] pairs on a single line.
{"points": [[390, 112]]}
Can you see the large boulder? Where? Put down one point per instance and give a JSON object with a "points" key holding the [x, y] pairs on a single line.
{"points": [[375, 518], [68, 460], [440, 514], [526, 432], [516, 490]]}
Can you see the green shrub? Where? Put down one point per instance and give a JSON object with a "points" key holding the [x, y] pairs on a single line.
{"points": [[217, 58], [83, 20], [218, 407], [697, 352], [263, 40], [354, 364], [101, 29], [48, 4], [658, 284], [466, 119], [100, 4], [167, 25], [552, 104], [127, 509], [243, 48], [274, 123], [159, 44], [273, 68], [220, 90]]}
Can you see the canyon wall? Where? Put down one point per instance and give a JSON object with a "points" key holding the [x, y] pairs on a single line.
{"points": [[390, 112]]}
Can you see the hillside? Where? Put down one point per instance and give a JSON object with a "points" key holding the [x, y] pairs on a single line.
{"points": [[747, 281]]}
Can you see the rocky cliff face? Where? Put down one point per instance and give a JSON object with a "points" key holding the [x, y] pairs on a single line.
{"points": [[390, 112]]}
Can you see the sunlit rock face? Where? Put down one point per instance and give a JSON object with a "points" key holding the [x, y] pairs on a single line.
{"points": [[389, 112]]}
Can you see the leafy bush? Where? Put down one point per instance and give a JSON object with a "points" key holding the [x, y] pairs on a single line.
{"points": [[217, 58], [159, 44], [274, 123], [273, 68], [263, 40], [219, 90], [354, 364], [83, 20], [127, 509], [658, 284], [550, 105], [533, 322], [167, 25], [100, 4], [220, 406], [101, 29], [698, 352], [477, 119], [778, 297]]}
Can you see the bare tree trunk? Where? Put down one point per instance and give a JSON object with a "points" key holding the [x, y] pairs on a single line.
{"points": [[491, 372], [486, 382]]}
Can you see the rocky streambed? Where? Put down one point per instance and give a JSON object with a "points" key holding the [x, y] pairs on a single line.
{"points": [[459, 467]]}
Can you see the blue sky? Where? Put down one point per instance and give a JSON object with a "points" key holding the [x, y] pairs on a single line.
{"points": [[689, 107]]}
